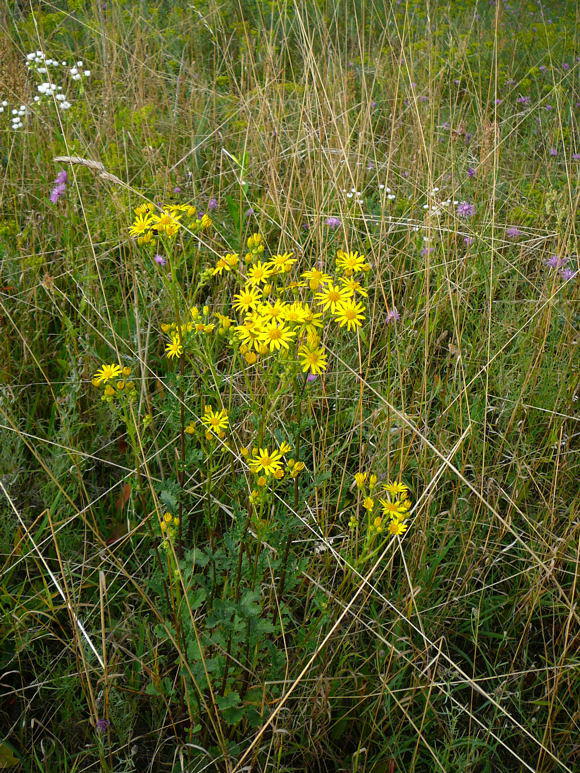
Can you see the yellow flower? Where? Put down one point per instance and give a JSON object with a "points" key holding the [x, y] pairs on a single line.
{"points": [[349, 313], [311, 320], [109, 391], [190, 429], [262, 480], [316, 278], [350, 262], [373, 481], [206, 222], [226, 263], [396, 488], [215, 421], [174, 348], [354, 286], [272, 310], [166, 223], [264, 461], [360, 478], [282, 263], [250, 333], [368, 503], [254, 241], [393, 509], [276, 335], [143, 209], [331, 296], [247, 298], [146, 238], [378, 524], [397, 527], [250, 357], [258, 273], [313, 360], [279, 474], [297, 468], [284, 447], [295, 312], [106, 373], [141, 225]]}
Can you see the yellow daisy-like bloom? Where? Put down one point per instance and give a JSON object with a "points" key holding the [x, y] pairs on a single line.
{"points": [[146, 238], [316, 278], [276, 335], [394, 509], [258, 273], [174, 348], [205, 223], [368, 503], [360, 478], [350, 262], [247, 298], [378, 524], [272, 310], [396, 488], [141, 225], [265, 462], [397, 527], [331, 296], [312, 320], [282, 263], [106, 373], [295, 312], [297, 468], [143, 209], [250, 332], [279, 474], [351, 284], [313, 360], [349, 314], [285, 447], [226, 263], [167, 223], [215, 421]]}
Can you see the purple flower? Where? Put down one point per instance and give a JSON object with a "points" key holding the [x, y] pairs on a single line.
{"points": [[523, 100], [373, 104], [575, 156], [177, 189], [249, 211], [59, 186], [465, 209], [567, 273], [212, 204], [498, 101], [470, 171], [468, 240], [160, 260], [101, 725], [333, 222], [542, 67], [548, 107], [427, 251], [513, 232], [553, 152], [554, 261], [311, 377], [393, 315], [565, 66]]}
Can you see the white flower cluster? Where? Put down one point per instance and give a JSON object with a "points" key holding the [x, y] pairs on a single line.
{"points": [[390, 194], [39, 63], [436, 207]]}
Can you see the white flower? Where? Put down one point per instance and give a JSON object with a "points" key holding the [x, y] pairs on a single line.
{"points": [[64, 105], [87, 73], [76, 77], [4, 103], [41, 70], [61, 97], [73, 70], [79, 64]]}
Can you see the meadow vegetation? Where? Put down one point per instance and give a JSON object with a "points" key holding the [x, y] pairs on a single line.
{"points": [[287, 385]]}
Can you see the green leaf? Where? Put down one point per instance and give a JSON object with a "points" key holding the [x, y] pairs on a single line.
{"points": [[7, 758]]}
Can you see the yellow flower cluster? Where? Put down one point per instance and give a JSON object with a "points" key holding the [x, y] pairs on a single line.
{"points": [[273, 324], [266, 464], [179, 332], [169, 525], [215, 422], [114, 380], [394, 504], [151, 221]]}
